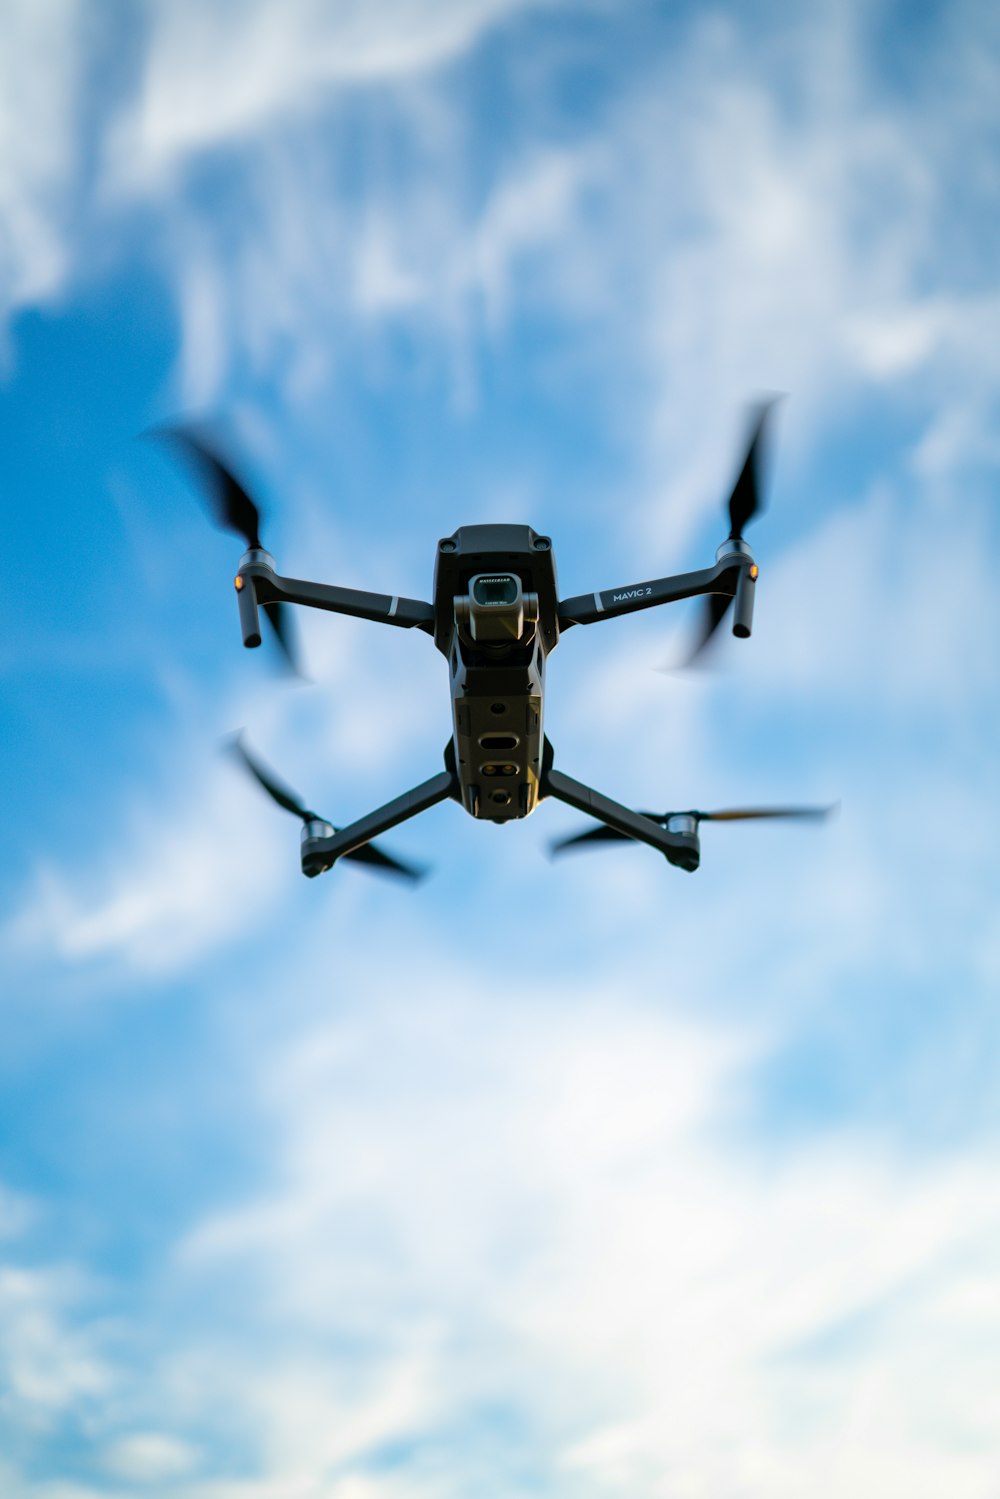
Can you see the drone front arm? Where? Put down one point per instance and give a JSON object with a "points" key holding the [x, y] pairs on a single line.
{"points": [[724, 578], [257, 573]]}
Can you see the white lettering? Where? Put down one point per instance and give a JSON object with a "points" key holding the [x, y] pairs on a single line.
{"points": [[631, 593]]}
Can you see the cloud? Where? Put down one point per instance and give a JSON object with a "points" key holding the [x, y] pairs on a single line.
{"points": [[572, 1231], [500, 1234], [300, 301], [782, 241], [16, 1213], [201, 858], [39, 151], [180, 881], [47, 1366], [213, 77], [148, 1457], [885, 604], [517, 1224]]}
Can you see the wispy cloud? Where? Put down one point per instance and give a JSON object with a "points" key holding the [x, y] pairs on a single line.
{"points": [[49, 1367], [148, 1457], [742, 218], [516, 1223], [570, 1239], [39, 152], [196, 856], [553, 1233], [209, 82]]}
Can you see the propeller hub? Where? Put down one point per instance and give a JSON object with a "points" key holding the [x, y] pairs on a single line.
{"points": [[315, 827], [734, 545], [683, 823], [256, 557]]}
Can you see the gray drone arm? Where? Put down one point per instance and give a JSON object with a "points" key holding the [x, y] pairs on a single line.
{"points": [[679, 848], [257, 583], [732, 576], [321, 845]]}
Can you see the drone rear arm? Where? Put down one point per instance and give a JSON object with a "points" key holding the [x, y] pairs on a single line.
{"points": [[733, 574], [678, 848], [320, 853], [258, 578]]}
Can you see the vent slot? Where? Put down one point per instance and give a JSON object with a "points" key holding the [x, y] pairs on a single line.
{"points": [[499, 741]]}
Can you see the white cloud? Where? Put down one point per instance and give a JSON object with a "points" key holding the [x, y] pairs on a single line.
{"points": [[535, 208], [382, 283], [546, 1207], [16, 1213], [180, 881], [886, 604], [215, 75], [148, 1457], [39, 152], [782, 240], [537, 1204], [300, 300], [892, 342], [203, 298], [561, 1227], [47, 1367], [201, 858]]}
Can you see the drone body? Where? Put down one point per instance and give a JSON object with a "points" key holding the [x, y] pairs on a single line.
{"points": [[496, 617], [496, 621]]}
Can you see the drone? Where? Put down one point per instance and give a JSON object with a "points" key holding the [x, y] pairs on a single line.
{"points": [[496, 617]]}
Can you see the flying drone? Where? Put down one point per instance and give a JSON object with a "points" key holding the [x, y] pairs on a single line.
{"points": [[496, 617]]}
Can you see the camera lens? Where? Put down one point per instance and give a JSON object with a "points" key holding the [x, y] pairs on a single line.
{"points": [[495, 591]]}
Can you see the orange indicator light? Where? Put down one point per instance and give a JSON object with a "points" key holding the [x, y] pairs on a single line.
{"points": [[754, 570], [238, 583]]}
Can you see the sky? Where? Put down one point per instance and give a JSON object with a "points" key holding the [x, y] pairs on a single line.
{"points": [[571, 1180]]}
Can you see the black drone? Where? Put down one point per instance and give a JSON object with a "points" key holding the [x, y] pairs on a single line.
{"points": [[496, 616]]}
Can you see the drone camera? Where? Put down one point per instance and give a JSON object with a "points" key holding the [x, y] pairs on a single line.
{"points": [[496, 609], [495, 592]]}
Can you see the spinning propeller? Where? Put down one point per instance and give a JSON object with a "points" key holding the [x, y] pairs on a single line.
{"points": [[232, 509], [687, 822], [745, 502], [366, 854]]}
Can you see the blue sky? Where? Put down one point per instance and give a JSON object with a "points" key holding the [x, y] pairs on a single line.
{"points": [[587, 1179]]}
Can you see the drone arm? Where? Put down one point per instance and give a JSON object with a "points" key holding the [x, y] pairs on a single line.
{"points": [[320, 853], [723, 578], [268, 587], [678, 848]]}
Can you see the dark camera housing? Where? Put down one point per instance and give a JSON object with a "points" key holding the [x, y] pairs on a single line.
{"points": [[496, 610]]}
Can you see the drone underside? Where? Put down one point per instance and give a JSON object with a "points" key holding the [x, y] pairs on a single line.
{"points": [[496, 617]]}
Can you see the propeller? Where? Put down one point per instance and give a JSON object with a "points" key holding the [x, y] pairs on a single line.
{"points": [[232, 509], [368, 853], [604, 834], [745, 502]]}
